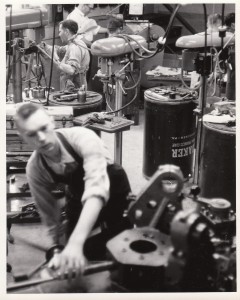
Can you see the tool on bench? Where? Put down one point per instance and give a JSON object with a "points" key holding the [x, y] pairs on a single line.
{"points": [[94, 118], [28, 213]]}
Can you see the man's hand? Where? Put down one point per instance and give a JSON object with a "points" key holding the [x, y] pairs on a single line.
{"points": [[48, 52], [71, 261]]}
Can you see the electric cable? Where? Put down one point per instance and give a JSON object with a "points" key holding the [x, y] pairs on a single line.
{"points": [[107, 101], [188, 87], [43, 70], [136, 83], [153, 53], [126, 105], [134, 40]]}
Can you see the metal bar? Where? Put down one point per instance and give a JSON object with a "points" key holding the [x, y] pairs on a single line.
{"points": [[118, 135], [17, 75], [202, 95], [159, 212], [90, 269], [181, 19]]}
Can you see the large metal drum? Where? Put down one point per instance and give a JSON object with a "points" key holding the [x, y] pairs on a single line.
{"points": [[217, 177], [93, 103], [169, 130]]}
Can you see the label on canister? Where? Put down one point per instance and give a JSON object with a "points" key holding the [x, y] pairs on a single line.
{"points": [[182, 145]]}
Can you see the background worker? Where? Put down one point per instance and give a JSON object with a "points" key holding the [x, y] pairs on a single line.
{"points": [[230, 22], [72, 59], [115, 26], [86, 27], [214, 21], [96, 187]]}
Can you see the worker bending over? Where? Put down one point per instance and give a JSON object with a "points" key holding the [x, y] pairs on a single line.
{"points": [[96, 187]]}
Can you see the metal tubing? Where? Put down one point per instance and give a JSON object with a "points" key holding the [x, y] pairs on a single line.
{"points": [[202, 97], [181, 19], [90, 269], [17, 75], [118, 135]]}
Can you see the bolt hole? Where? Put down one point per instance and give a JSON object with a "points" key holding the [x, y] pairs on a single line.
{"points": [[142, 246]]}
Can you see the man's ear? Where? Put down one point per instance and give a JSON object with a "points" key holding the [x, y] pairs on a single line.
{"points": [[67, 31]]}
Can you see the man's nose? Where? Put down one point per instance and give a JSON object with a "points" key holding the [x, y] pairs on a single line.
{"points": [[41, 136]]}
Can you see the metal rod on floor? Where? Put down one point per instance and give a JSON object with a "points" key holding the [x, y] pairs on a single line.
{"points": [[90, 269]]}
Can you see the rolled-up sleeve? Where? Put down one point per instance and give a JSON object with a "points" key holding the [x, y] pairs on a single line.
{"points": [[41, 186], [73, 58], [90, 147]]}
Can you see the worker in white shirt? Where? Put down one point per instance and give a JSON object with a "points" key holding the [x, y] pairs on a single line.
{"points": [[86, 26]]}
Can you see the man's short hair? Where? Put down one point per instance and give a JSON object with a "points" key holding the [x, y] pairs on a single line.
{"points": [[71, 25], [69, 7], [115, 24], [230, 18], [25, 110]]}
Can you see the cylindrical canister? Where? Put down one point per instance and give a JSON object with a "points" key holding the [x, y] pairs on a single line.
{"points": [[217, 175], [169, 129]]}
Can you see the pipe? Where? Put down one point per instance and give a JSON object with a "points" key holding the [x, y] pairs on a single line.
{"points": [[181, 19], [90, 269]]}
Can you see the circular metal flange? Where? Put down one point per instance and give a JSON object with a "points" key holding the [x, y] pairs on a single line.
{"points": [[143, 246]]}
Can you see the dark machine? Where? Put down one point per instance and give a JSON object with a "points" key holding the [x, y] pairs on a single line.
{"points": [[179, 242]]}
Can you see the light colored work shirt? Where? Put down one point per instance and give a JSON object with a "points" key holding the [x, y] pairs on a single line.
{"points": [[76, 55], [84, 24], [95, 160]]}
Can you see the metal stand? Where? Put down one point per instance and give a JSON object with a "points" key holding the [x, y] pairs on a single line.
{"points": [[200, 112], [118, 135], [17, 75]]}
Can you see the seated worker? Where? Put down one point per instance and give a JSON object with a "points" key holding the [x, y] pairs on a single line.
{"points": [[230, 22], [213, 22], [72, 59], [96, 187], [115, 27], [86, 27]]}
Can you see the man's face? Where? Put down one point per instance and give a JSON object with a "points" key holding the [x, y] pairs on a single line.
{"points": [[63, 34], [38, 131]]}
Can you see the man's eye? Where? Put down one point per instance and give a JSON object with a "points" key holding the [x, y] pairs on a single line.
{"points": [[31, 134], [44, 128]]}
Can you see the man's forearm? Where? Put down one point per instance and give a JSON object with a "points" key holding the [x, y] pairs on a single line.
{"points": [[103, 30], [66, 68], [87, 220]]}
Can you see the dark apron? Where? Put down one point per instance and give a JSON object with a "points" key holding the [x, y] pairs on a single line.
{"points": [[112, 214]]}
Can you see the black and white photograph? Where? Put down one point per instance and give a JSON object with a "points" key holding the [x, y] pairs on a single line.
{"points": [[120, 148]]}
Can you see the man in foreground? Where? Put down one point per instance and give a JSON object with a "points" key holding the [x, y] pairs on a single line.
{"points": [[96, 187]]}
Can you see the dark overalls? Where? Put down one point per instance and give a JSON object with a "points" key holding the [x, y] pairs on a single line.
{"points": [[112, 214]]}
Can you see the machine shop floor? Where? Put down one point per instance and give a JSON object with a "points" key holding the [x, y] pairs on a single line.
{"points": [[26, 251]]}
